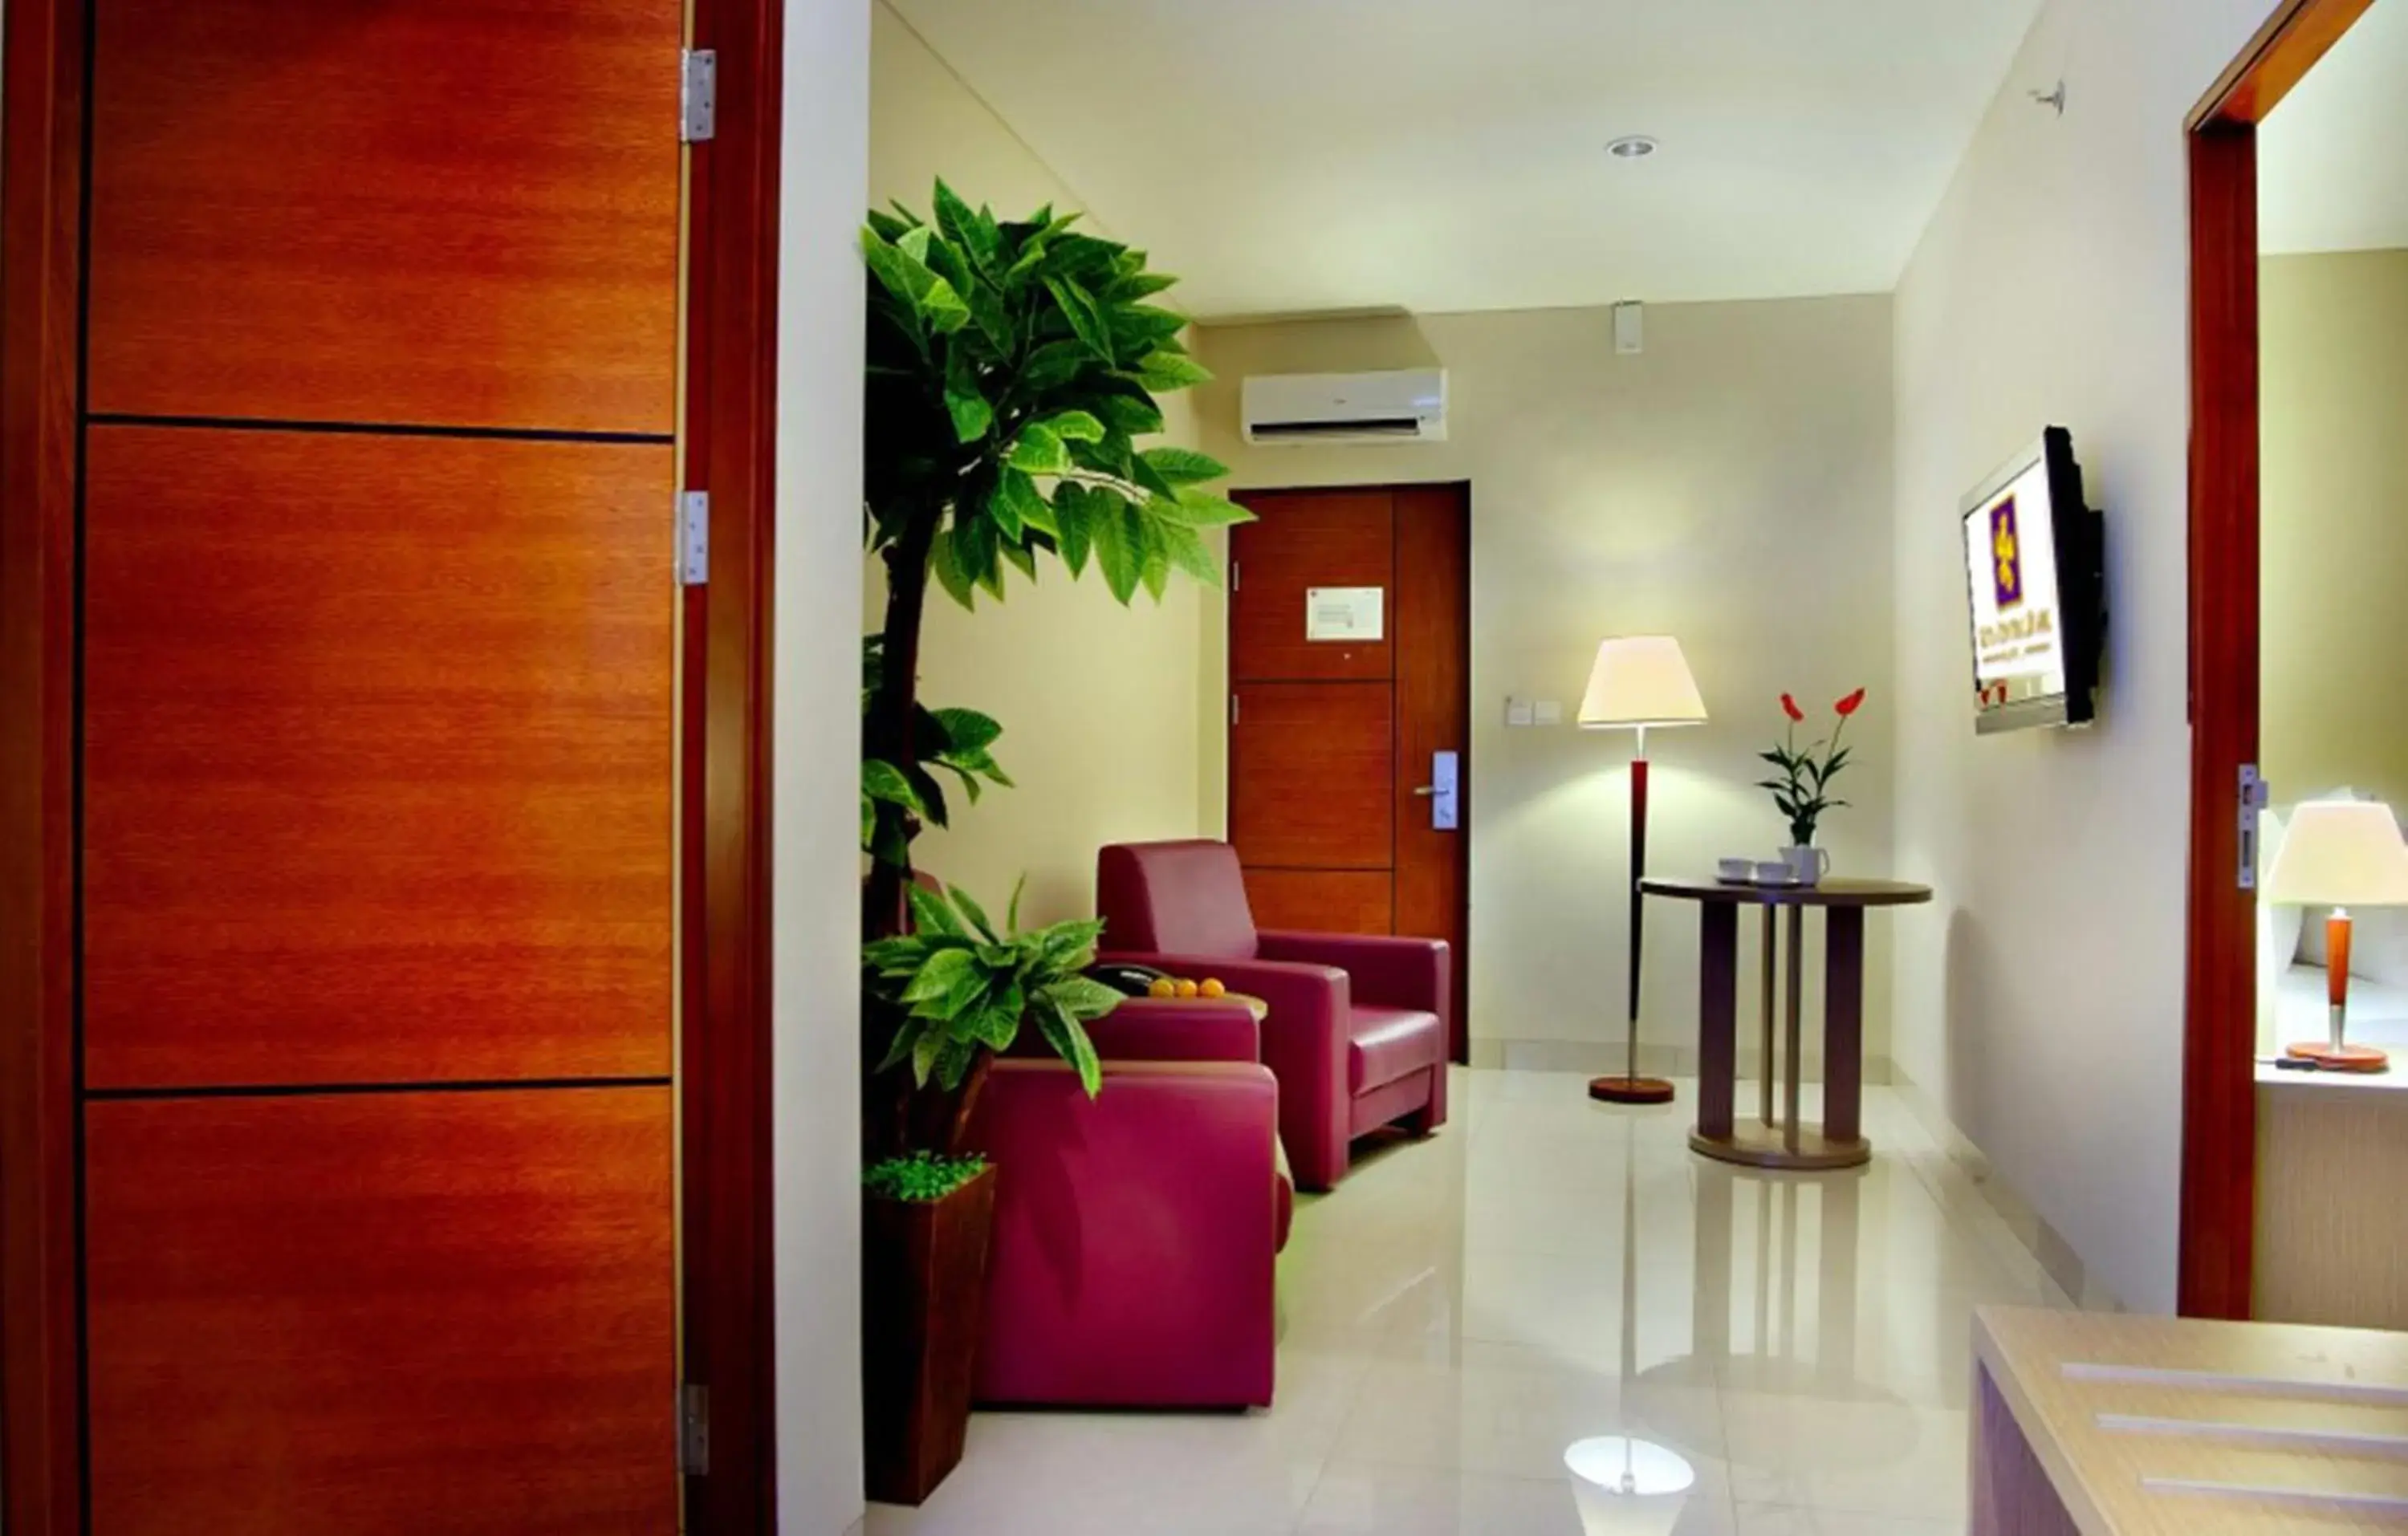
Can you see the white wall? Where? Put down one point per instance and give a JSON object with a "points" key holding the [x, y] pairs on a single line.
{"points": [[1098, 702], [1731, 487], [815, 891], [2040, 1001]]}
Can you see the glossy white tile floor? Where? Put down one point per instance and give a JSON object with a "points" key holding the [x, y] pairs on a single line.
{"points": [[1545, 1271]]}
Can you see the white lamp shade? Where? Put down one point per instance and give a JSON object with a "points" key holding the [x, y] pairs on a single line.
{"points": [[2340, 854], [1627, 1487], [1641, 679]]}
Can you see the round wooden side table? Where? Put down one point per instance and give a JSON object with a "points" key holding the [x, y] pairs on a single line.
{"points": [[1785, 1142]]}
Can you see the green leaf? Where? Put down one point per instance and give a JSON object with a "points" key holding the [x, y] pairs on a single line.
{"points": [[1161, 371], [977, 239], [976, 913], [1078, 426], [1075, 514], [1069, 1038], [1188, 552], [930, 299], [1021, 558], [932, 914], [924, 1052], [945, 969], [1135, 415], [966, 730], [899, 1050], [1137, 286], [1083, 997], [1139, 328], [1053, 365], [1118, 556], [1027, 505], [1038, 451], [1203, 510], [1086, 319], [883, 781], [1183, 465], [1011, 918], [944, 562], [972, 416]]}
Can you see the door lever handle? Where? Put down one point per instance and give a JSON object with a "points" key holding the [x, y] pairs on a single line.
{"points": [[1427, 790]]}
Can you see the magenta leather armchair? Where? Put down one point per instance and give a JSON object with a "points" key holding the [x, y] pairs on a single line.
{"points": [[1136, 1234], [1358, 1029]]}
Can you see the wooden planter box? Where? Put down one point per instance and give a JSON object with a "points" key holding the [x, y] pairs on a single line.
{"points": [[923, 1313]]}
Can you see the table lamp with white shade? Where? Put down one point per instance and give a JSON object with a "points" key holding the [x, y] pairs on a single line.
{"points": [[2340, 853], [1638, 681]]}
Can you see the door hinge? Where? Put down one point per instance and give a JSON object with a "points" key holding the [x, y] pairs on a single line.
{"points": [[693, 1431], [2255, 795], [698, 95], [1233, 709], [1233, 575], [693, 539]]}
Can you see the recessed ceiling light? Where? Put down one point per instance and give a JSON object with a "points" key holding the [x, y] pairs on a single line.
{"points": [[1631, 147]]}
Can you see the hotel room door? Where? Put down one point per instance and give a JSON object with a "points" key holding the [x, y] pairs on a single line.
{"points": [[1350, 714], [378, 735]]}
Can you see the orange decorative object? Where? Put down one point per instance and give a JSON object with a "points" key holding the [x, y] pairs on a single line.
{"points": [[2333, 1056]]}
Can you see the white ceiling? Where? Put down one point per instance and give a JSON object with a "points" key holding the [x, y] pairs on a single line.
{"points": [[1292, 156], [2332, 160]]}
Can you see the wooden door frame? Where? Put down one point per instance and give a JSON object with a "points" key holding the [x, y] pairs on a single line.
{"points": [[729, 439], [2220, 1157], [1458, 1048]]}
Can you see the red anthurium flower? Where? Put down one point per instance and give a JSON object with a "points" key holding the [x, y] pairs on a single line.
{"points": [[1790, 704], [1849, 705]]}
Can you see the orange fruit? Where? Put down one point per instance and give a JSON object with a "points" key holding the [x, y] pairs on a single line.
{"points": [[1188, 989], [1163, 987], [1212, 987]]}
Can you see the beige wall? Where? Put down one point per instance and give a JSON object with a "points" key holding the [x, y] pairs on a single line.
{"points": [[2040, 1000], [2334, 582], [1098, 703], [816, 1078], [1729, 486]]}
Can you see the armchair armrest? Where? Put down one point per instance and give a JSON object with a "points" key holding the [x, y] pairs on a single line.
{"points": [[1155, 1030], [1304, 1044], [1387, 973], [1135, 1235]]}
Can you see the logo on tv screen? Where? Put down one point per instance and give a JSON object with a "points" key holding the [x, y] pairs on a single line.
{"points": [[2006, 556]]}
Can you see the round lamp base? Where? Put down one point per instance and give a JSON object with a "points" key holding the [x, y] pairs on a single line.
{"points": [[1630, 1090], [2340, 1059]]}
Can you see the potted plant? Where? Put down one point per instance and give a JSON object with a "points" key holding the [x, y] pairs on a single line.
{"points": [[1012, 368], [1803, 791], [963, 990]]}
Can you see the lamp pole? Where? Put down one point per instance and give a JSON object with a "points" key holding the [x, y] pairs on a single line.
{"points": [[1630, 1088]]}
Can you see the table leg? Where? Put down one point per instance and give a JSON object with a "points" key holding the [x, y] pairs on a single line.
{"points": [[1796, 1042], [1843, 1023], [1764, 1016], [1717, 1017]]}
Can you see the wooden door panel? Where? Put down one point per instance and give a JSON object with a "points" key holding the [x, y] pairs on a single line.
{"points": [[1311, 766], [1321, 900], [1308, 540], [383, 1314], [1434, 715], [443, 211], [378, 757]]}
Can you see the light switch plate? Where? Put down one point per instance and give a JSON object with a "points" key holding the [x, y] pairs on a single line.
{"points": [[1549, 711], [1518, 712]]}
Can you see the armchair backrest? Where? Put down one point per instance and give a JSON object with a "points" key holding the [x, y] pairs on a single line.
{"points": [[1174, 898]]}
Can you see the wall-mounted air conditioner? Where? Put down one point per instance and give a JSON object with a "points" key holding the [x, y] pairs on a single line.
{"points": [[1405, 405]]}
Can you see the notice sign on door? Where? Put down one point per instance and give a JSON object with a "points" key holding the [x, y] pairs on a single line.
{"points": [[1344, 613]]}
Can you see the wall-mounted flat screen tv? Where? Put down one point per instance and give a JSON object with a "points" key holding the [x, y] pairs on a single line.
{"points": [[2034, 568]]}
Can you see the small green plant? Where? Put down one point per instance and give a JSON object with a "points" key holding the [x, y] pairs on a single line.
{"points": [[923, 1177], [959, 990]]}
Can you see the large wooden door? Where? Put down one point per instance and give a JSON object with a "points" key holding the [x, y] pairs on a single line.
{"points": [[377, 731], [1350, 645]]}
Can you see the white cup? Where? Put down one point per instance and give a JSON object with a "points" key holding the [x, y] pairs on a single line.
{"points": [[1807, 865], [1776, 872]]}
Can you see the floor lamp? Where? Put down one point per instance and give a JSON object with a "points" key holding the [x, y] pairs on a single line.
{"points": [[1639, 680]]}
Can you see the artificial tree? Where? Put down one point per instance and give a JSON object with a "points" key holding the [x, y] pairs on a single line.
{"points": [[1012, 368]]}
